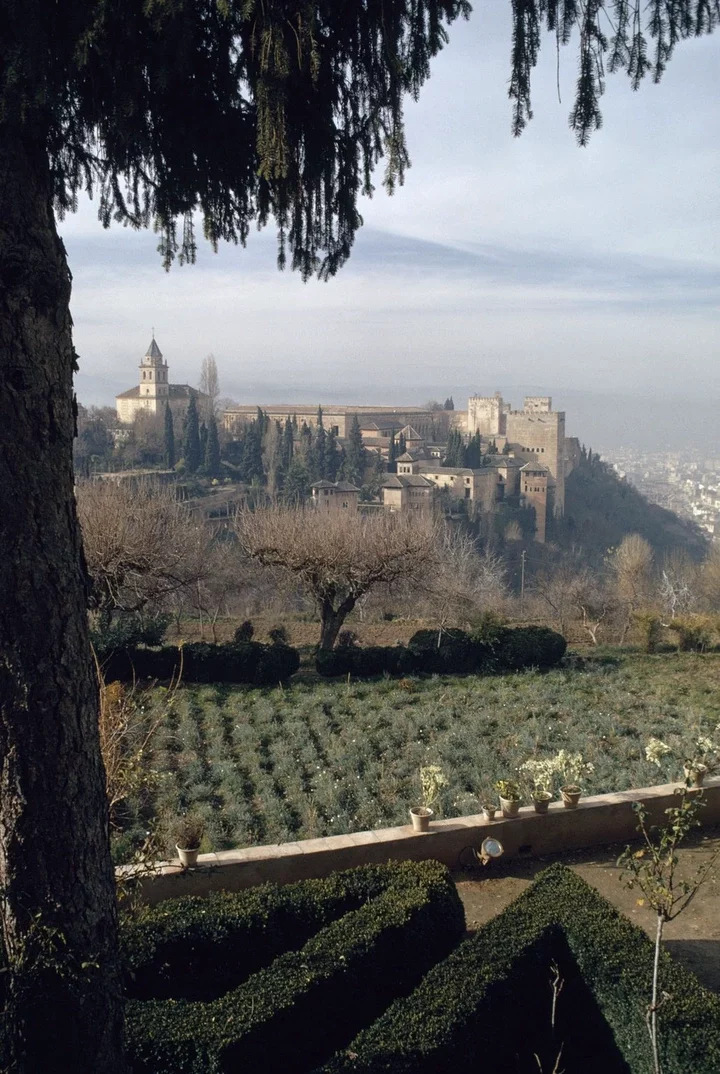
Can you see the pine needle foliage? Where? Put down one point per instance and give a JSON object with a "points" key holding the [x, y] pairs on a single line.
{"points": [[238, 110]]}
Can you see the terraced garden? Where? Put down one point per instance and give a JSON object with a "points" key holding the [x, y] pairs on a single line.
{"points": [[325, 758]]}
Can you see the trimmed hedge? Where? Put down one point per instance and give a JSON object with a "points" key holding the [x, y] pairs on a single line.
{"points": [[509, 649], [247, 662], [479, 1009], [380, 929]]}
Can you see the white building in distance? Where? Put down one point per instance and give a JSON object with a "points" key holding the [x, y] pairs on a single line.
{"points": [[154, 391]]}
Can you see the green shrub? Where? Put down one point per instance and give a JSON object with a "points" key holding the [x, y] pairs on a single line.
{"points": [[244, 632], [250, 662], [467, 1014], [380, 929], [458, 652], [524, 647]]}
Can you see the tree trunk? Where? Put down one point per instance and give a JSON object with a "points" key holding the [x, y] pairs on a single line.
{"points": [[331, 621], [63, 1005]]}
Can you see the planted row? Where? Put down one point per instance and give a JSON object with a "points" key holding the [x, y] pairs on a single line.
{"points": [[247, 662], [451, 651]]}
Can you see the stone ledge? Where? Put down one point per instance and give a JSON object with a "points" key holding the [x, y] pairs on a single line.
{"points": [[598, 819]]}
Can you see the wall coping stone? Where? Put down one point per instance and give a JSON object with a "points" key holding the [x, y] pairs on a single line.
{"points": [[598, 819]]}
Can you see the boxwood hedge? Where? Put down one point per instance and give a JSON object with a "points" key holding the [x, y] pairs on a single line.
{"points": [[302, 968], [489, 1002], [247, 662], [508, 649]]}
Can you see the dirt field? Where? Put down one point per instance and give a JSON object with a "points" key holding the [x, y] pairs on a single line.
{"points": [[693, 938]]}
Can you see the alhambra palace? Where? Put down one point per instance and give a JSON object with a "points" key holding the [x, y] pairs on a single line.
{"points": [[526, 454]]}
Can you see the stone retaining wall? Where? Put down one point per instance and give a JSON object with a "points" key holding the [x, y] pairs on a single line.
{"points": [[603, 818]]}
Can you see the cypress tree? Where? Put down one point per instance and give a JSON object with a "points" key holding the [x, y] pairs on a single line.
{"points": [[473, 452], [320, 454], [296, 488], [354, 464], [449, 404], [332, 457], [252, 461], [392, 451], [203, 439], [212, 450], [169, 439], [319, 418], [191, 441], [402, 446], [287, 446]]}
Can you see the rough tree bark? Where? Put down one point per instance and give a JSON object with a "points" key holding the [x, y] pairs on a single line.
{"points": [[63, 1009], [332, 619]]}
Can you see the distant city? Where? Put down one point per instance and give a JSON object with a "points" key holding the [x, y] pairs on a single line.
{"points": [[686, 482]]}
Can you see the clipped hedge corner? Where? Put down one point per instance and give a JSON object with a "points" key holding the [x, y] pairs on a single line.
{"points": [[489, 1001], [305, 967]]}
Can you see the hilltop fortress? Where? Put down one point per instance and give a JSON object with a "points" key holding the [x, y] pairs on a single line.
{"points": [[527, 455]]}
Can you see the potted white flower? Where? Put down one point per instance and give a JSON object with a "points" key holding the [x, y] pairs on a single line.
{"points": [[698, 758], [572, 769], [540, 773], [432, 780], [510, 796], [189, 831]]}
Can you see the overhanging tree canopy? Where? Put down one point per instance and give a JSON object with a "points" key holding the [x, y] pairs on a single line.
{"points": [[235, 111]]}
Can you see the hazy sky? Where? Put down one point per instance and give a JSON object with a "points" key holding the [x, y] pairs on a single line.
{"points": [[501, 262]]}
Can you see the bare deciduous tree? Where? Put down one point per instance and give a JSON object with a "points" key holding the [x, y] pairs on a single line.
{"points": [[141, 545], [210, 383], [678, 584], [467, 581], [631, 568], [336, 557]]}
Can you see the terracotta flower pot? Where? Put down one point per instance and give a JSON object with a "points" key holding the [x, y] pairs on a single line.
{"points": [[510, 806], [489, 812], [188, 855], [570, 796], [542, 803], [421, 817], [695, 775]]}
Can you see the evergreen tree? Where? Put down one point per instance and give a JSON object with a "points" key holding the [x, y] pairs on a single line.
{"points": [[287, 445], [252, 461], [319, 418], [332, 457], [392, 452], [142, 103], [169, 439], [354, 464], [203, 439], [296, 488], [506, 448], [455, 451], [191, 441], [402, 446], [320, 454], [449, 404], [473, 452], [295, 422], [492, 448], [212, 449]]}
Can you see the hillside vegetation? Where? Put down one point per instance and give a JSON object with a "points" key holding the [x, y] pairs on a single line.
{"points": [[602, 508]]}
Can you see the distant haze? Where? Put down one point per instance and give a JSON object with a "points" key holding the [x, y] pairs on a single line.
{"points": [[592, 275]]}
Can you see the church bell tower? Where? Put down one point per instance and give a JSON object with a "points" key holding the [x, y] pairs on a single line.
{"points": [[154, 390]]}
